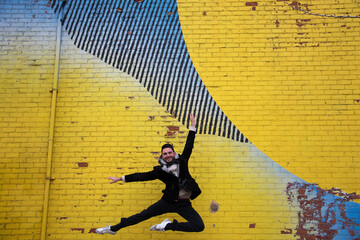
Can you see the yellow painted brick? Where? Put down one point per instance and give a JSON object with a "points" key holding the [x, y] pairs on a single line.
{"points": [[88, 112]]}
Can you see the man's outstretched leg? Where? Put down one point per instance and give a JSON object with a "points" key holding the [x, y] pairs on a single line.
{"points": [[194, 222], [156, 209], [104, 230]]}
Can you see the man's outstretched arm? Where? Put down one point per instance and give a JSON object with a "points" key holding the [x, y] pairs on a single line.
{"points": [[116, 179], [190, 139], [135, 177]]}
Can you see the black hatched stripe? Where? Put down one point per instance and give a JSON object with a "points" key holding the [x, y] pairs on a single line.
{"points": [[144, 39]]}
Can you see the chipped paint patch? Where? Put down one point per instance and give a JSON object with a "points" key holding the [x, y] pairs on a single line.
{"points": [[214, 207], [78, 229], [251, 4], [323, 214], [82, 164], [286, 231], [171, 131]]}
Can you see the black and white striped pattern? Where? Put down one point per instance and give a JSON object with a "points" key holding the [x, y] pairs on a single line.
{"points": [[144, 39]]}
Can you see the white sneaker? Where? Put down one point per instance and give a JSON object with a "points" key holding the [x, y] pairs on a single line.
{"points": [[161, 226], [104, 230]]}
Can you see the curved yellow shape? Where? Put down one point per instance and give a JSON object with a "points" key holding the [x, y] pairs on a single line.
{"points": [[288, 80]]}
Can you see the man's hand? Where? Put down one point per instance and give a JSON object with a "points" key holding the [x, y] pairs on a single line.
{"points": [[192, 119], [115, 179]]}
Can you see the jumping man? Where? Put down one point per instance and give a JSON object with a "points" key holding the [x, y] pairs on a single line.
{"points": [[180, 188]]}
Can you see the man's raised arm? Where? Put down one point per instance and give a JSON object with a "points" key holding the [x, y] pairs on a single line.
{"points": [[190, 139], [192, 120]]}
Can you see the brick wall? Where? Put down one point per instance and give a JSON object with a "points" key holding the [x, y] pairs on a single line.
{"points": [[108, 124], [287, 74], [27, 64]]}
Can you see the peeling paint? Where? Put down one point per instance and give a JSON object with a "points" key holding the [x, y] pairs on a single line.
{"points": [[302, 22], [172, 128], [78, 229], [324, 214], [214, 207], [286, 231], [252, 4], [82, 164], [277, 23], [171, 131]]}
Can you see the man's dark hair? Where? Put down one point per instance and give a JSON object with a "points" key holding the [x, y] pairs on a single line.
{"points": [[167, 145]]}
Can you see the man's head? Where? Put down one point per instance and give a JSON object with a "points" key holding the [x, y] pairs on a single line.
{"points": [[167, 152]]}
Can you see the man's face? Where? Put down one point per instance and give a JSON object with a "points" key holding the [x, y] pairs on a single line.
{"points": [[168, 154]]}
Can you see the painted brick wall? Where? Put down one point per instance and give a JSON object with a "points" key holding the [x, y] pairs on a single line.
{"points": [[108, 124], [287, 74], [27, 63]]}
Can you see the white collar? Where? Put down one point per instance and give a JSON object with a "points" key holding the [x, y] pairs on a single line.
{"points": [[173, 169]]}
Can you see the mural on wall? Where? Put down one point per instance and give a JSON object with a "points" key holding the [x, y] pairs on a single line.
{"points": [[144, 39]]}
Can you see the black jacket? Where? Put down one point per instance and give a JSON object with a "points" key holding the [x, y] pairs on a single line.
{"points": [[173, 183]]}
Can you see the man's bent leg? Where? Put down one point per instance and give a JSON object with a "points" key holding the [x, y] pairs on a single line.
{"points": [[194, 224], [156, 209]]}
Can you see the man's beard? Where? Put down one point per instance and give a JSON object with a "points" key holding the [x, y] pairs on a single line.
{"points": [[173, 160]]}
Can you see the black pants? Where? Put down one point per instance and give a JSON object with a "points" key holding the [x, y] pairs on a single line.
{"points": [[182, 207]]}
